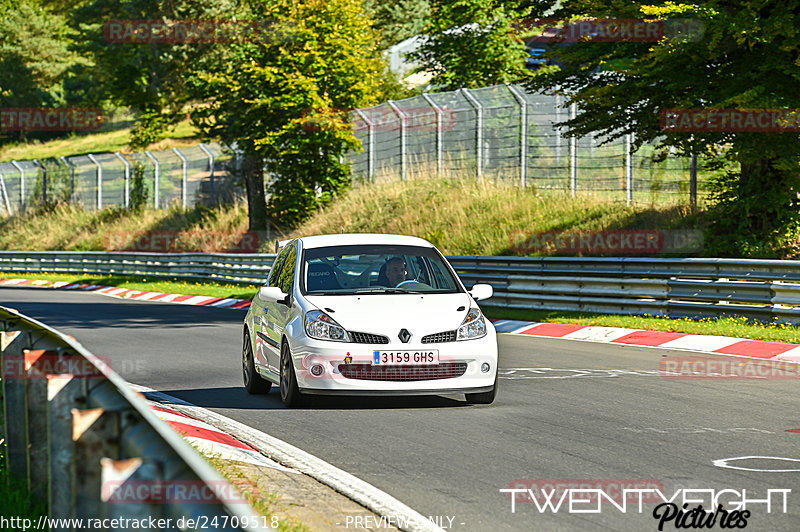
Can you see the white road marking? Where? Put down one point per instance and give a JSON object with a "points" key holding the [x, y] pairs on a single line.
{"points": [[723, 462]]}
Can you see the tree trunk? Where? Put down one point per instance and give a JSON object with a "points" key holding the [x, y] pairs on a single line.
{"points": [[253, 173]]}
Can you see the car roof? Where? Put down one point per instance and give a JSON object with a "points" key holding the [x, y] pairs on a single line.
{"points": [[350, 239]]}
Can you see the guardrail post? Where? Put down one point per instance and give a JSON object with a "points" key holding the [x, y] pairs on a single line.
{"points": [[36, 405], [156, 176], [210, 171], [63, 393], [99, 180], [478, 129], [94, 434], [370, 144], [402, 117], [21, 185], [629, 168], [124, 477], [71, 178], [12, 344], [439, 134], [127, 179], [184, 176], [523, 133], [44, 179], [573, 154]]}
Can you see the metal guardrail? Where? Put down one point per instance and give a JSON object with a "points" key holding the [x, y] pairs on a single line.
{"points": [[761, 289], [233, 267], [80, 437]]}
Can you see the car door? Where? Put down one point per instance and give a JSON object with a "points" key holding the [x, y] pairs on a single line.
{"points": [[276, 314], [262, 320]]}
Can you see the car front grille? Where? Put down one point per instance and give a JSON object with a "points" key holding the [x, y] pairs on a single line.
{"points": [[368, 372], [438, 338], [366, 338]]}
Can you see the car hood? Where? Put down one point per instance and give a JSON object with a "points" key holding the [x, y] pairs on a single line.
{"points": [[388, 313]]}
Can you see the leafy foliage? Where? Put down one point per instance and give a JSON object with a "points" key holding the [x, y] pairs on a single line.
{"points": [[398, 20], [746, 56], [320, 62], [35, 58], [474, 43]]}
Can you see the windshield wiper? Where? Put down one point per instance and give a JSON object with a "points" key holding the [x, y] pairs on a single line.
{"points": [[386, 291]]}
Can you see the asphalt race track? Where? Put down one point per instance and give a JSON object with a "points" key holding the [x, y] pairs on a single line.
{"points": [[594, 414]]}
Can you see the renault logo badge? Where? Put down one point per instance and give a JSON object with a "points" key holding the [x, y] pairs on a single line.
{"points": [[404, 336]]}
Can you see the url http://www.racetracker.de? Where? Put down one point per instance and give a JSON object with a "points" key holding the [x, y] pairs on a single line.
{"points": [[144, 523]]}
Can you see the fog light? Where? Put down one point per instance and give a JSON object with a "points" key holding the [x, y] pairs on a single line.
{"points": [[485, 367], [316, 370]]}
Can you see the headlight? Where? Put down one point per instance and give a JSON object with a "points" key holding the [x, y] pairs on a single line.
{"points": [[322, 327], [473, 326]]}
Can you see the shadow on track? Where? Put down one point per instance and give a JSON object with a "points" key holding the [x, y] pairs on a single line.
{"points": [[238, 398]]}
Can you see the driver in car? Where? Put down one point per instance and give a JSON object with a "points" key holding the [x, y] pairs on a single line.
{"points": [[395, 271]]}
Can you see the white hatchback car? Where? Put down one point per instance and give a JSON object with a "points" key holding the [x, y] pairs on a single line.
{"points": [[364, 314]]}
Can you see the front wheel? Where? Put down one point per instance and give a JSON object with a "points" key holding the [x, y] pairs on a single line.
{"points": [[253, 382], [483, 398], [290, 393]]}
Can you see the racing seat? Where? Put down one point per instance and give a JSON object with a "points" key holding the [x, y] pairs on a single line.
{"points": [[322, 277]]}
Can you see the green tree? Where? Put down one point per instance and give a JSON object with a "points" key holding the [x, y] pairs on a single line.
{"points": [[397, 20], [35, 58], [743, 54], [475, 43], [281, 101], [149, 77]]}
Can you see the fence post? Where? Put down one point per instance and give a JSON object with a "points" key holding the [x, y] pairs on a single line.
{"points": [[4, 193], [439, 134], [21, 185], [127, 179], [558, 129], [629, 168], [210, 171], [523, 136], [371, 143], [402, 117], [38, 163], [99, 180], [71, 178], [573, 154], [155, 171], [184, 177], [479, 128], [693, 180]]}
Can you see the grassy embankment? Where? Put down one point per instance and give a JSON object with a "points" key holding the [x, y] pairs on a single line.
{"points": [[112, 137], [460, 217]]}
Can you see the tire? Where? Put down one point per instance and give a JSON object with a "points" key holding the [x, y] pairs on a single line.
{"points": [[483, 398], [290, 393], [254, 383]]}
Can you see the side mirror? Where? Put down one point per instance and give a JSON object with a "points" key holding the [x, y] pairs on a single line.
{"points": [[273, 294], [480, 292]]}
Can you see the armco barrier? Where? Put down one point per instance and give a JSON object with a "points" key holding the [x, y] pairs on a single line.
{"points": [[79, 436], [762, 289]]}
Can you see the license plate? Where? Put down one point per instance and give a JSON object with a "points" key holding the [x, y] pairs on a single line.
{"points": [[396, 358]]}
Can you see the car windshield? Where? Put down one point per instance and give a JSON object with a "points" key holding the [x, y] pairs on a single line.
{"points": [[375, 269]]}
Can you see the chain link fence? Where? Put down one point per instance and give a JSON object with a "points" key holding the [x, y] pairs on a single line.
{"points": [[506, 134], [198, 175]]}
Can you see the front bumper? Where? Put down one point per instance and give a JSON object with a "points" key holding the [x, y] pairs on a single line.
{"points": [[330, 355]]}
